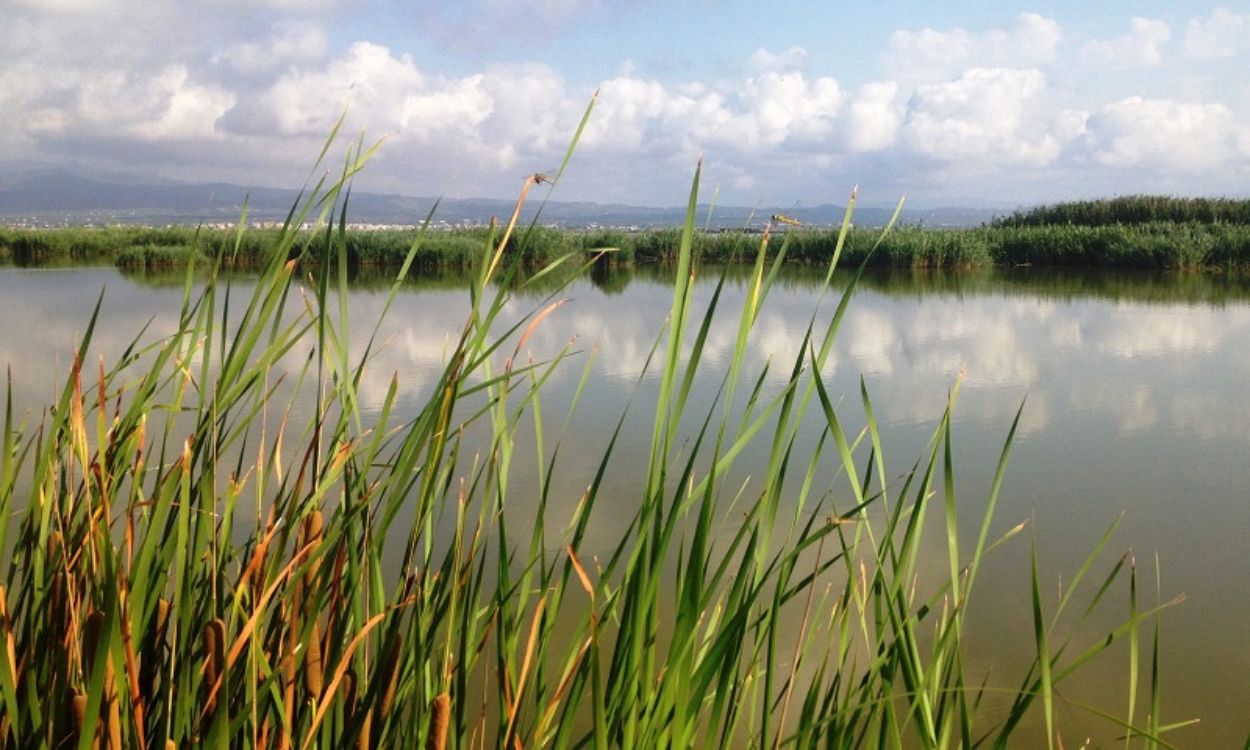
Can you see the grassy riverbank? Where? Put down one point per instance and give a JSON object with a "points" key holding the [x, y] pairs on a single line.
{"points": [[194, 566], [1123, 233]]}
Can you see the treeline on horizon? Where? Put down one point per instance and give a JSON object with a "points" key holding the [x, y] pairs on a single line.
{"points": [[1134, 232]]}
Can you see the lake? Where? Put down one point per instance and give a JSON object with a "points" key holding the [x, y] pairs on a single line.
{"points": [[1135, 392]]}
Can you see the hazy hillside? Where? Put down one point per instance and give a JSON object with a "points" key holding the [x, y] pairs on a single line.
{"points": [[62, 198]]}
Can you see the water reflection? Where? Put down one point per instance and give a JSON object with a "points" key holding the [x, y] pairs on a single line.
{"points": [[1135, 383], [1139, 351]]}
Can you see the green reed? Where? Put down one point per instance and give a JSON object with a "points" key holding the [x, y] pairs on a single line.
{"points": [[1134, 209], [1159, 245], [192, 566]]}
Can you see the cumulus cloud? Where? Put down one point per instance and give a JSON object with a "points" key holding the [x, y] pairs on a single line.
{"points": [[1222, 34], [224, 96], [178, 108], [368, 80], [778, 107], [932, 55], [987, 114], [378, 88], [645, 116], [167, 105], [874, 116], [496, 118], [287, 95], [1142, 45], [289, 42], [1183, 136]]}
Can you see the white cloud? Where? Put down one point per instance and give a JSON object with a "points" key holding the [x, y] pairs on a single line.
{"points": [[168, 105], [874, 116], [242, 99], [764, 61], [630, 107], [1071, 124], [1162, 132], [1142, 45], [783, 106], [520, 117], [290, 41], [1222, 34], [500, 118], [931, 55], [986, 114], [532, 112], [178, 108], [370, 83], [459, 104], [780, 107]]}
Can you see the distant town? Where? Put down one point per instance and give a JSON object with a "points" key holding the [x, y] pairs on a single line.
{"points": [[50, 200]]}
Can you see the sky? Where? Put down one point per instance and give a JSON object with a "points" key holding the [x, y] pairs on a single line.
{"points": [[786, 103]]}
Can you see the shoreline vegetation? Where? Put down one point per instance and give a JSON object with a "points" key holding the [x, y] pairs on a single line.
{"points": [[1150, 286], [187, 573], [1133, 232]]}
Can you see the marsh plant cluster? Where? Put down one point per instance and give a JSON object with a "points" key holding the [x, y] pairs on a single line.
{"points": [[192, 566]]}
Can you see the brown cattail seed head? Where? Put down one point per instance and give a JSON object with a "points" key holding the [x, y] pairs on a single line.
{"points": [[214, 657], [313, 675], [440, 713]]}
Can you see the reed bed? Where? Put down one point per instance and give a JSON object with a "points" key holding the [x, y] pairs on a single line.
{"points": [[1158, 246], [1146, 233], [148, 247], [384, 593], [1134, 209]]}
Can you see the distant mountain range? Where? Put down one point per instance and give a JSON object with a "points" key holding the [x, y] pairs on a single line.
{"points": [[58, 198]]}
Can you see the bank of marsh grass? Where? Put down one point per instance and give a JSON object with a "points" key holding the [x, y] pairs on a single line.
{"points": [[1140, 232], [191, 569], [1134, 209]]}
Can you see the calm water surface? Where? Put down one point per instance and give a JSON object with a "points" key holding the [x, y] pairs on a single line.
{"points": [[1137, 402]]}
